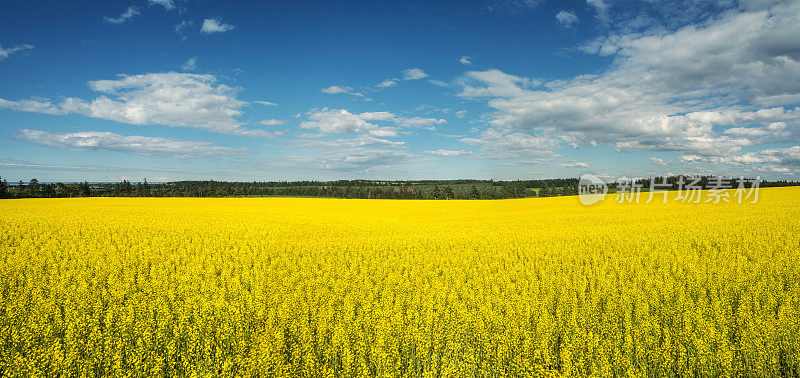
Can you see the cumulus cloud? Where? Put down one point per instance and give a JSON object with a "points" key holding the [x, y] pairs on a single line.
{"points": [[448, 153], [5, 53], [214, 25], [600, 7], [182, 28], [106, 141], [336, 122], [691, 159], [788, 158], [566, 19], [335, 89], [414, 74], [575, 165], [502, 144], [189, 65], [360, 141], [362, 153], [409, 74], [514, 6], [35, 105], [125, 16], [361, 159], [666, 90], [492, 83], [658, 161], [465, 60], [272, 122], [387, 83], [421, 122], [340, 121], [169, 99], [168, 4]]}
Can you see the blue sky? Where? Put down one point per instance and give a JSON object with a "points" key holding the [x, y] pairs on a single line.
{"points": [[228, 90]]}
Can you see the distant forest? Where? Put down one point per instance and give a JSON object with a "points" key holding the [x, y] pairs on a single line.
{"points": [[417, 189]]}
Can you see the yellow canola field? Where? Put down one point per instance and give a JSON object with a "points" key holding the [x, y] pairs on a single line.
{"points": [[334, 287]]}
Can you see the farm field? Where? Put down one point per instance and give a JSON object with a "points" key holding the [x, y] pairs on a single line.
{"points": [[334, 287]]}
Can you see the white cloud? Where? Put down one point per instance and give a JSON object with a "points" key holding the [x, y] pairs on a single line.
{"points": [[360, 154], [5, 53], [783, 157], [450, 152], [272, 122], [492, 83], [461, 113], [377, 116], [414, 74], [691, 159], [28, 165], [779, 169], [169, 99], [420, 122], [514, 6], [360, 141], [501, 144], [189, 65], [106, 141], [266, 103], [341, 121], [776, 129], [361, 159], [566, 19], [575, 165], [182, 28], [465, 60], [388, 83], [658, 161], [35, 105], [125, 16], [213, 25], [666, 91], [335, 89], [168, 4], [600, 7]]}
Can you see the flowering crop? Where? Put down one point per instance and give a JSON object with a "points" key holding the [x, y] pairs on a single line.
{"points": [[327, 287]]}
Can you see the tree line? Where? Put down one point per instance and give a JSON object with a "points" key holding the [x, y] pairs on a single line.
{"points": [[367, 189]]}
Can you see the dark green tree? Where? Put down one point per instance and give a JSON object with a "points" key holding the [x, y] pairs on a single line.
{"points": [[3, 188], [48, 190], [474, 193], [519, 190], [507, 190], [85, 189], [447, 192], [33, 188], [545, 191], [437, 194]]}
